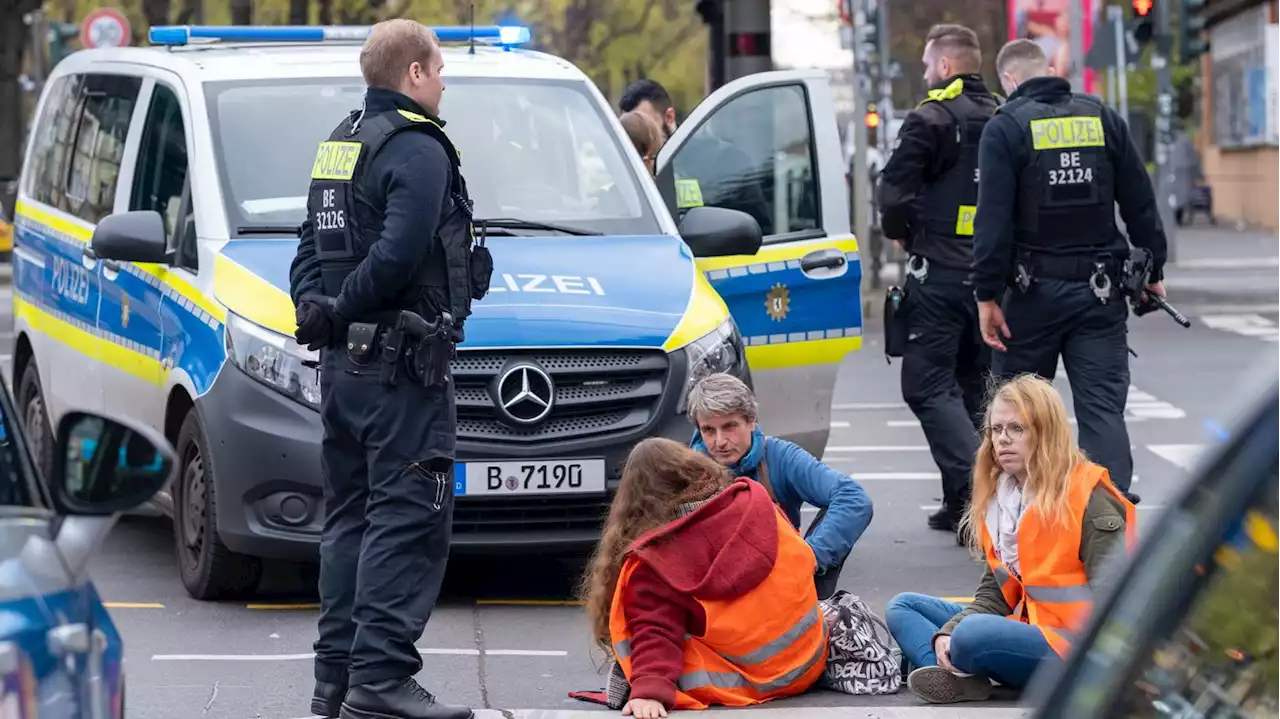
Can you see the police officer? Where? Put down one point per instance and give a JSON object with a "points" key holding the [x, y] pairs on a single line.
{"points": [[388, 229], [1054, 165], [928, 191]]}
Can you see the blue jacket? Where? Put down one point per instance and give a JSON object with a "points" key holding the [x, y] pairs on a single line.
{"points": [[797, 478]]}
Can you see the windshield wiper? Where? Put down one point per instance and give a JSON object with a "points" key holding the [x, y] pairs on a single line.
{"points": [[512, 223], [292, 230]]}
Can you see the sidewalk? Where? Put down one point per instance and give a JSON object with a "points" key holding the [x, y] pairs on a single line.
{"points": [[959, 711]]}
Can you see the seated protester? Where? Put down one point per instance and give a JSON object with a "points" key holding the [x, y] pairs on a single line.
{"points": [[723, 409], [1047, 521], [700, 589]]}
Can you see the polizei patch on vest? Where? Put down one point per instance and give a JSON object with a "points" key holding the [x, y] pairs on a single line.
{"points": [[1061, 133], [336, 161]]}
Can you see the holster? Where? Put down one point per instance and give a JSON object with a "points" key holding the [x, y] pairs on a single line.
{"points": [[429, 359], [895, 323]]}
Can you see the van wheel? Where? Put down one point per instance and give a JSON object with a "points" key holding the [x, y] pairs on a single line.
{"points": [[35, 419], [209, 570]]}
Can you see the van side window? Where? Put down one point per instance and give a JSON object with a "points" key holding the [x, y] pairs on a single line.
{"points": [[99, 145], [51, 141], [755, 154], [161, 175]]}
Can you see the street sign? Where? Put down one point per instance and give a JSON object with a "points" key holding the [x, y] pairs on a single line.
{"points": [[104, 27]]}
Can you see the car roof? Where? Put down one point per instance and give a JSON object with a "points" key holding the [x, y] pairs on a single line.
{"points": [[214, 62]]}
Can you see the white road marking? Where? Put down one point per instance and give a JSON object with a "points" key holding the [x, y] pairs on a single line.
{"points": [[839, 425], [1249, 325], [433, 651], [867, 406], [1182, 455], [894, 476], [879, 448], [1227, 263]]}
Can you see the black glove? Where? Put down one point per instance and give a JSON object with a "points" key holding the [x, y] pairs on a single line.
{"points": [[315, 325]]}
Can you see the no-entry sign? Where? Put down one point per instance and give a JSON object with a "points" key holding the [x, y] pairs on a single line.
{"points": [[104, 27]]}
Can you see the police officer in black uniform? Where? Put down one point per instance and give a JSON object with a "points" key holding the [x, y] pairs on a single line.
{"points": [[388, 231], [1054, 165], [928, 192]]}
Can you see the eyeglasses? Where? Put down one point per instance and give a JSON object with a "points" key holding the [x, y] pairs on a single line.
{"points": [[1015, 430]]}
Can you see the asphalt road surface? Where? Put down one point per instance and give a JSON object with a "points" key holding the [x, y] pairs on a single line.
{"points": [[507, 637]]}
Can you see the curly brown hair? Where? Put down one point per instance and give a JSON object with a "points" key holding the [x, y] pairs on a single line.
{"points": [[660, 475]]}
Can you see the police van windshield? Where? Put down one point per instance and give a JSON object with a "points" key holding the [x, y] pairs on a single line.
{"points": [[537, 150]]}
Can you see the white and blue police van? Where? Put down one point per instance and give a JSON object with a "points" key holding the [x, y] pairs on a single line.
{"points": [[611, 288]]}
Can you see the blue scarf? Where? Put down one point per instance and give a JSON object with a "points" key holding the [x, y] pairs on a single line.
{"points": [[750, 462]]}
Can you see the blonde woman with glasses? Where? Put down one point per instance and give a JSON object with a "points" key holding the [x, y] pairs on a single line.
{"points": [[1046, 520]]}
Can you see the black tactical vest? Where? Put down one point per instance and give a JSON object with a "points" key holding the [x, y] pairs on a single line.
{"points": [[1066, 193], [949, 202], [347, 221]]}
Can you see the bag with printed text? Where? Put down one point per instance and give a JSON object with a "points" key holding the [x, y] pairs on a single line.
{"points": [[862, 657]]}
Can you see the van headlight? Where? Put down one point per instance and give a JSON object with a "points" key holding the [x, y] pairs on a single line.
{"points": [[720, 350], [273, 359]]}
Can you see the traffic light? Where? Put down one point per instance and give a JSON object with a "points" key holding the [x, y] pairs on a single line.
{"points": [[1190, 25], [1143, 20], [872, 121], [59, 34]]}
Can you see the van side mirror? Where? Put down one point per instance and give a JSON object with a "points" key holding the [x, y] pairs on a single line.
{"points": [[135, 236], [104, 466], [720, 232]]}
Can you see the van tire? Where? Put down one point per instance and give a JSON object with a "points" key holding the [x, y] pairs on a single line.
{"points": [[35, 419], [208, 569]]}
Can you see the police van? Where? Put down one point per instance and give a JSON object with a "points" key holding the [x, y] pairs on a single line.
{"points": [[157, 219]]}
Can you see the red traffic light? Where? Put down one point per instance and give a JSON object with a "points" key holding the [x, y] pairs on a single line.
{"points": [[1142, 7]]}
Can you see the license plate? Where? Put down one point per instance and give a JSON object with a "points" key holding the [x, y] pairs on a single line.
{"points": [[531, 477]]}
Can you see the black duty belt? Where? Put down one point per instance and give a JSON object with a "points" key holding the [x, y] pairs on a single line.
{"points": [[1071, 268], [404, 339]]}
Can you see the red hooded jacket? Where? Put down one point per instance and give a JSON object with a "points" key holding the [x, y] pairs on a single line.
{"points": [[720, 551]]}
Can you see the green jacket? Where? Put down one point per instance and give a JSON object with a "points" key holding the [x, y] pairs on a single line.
{"points": [[1101, 534]]}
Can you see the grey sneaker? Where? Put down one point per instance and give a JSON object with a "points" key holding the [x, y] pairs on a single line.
{"points": [[939, 686]]}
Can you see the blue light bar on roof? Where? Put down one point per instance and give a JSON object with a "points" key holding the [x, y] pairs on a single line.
{"points": [[187, 34]]}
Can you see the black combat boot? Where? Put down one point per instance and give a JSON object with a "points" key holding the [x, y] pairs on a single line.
{"points": [[327, 698], [946, 519], [397, 699]]}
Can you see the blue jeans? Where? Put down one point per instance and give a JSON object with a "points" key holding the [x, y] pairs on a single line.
{"points": [[987, 645]]}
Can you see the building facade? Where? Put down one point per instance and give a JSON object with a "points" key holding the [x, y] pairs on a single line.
{"points": [[1238, 129]]}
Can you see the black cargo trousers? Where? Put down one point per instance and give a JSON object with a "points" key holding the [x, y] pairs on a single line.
{"points": [[1058, 317], [944, 373], [387, 462]]}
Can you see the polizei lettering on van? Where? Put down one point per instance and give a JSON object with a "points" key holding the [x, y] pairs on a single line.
{"points": [[562, 284]]}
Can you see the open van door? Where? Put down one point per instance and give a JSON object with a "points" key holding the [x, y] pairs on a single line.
{"points": [[767, 144]]}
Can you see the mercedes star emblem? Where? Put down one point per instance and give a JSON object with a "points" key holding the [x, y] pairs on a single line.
{"points": [[526, 394]]}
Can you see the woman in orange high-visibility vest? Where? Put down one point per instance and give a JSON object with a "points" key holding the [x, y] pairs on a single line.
{"points": [[1046, 520], [701, 589]]}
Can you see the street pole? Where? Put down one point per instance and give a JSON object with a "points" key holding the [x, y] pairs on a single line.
{"points": [[1076, 61], [1164, 127], [1111, 86], [886, 81], [861, 90], [1116, 15]]}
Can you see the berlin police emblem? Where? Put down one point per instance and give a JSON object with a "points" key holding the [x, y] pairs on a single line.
{"points": [[778, 302]]}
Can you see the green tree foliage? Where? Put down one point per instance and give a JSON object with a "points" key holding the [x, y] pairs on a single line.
{"points": [[614, 41]]}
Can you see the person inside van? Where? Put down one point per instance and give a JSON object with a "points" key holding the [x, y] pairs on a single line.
{"points": [[723, 410], [645, 136], [1048, 522], [699, 587]]}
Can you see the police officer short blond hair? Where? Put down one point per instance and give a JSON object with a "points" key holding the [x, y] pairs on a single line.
{"points": [[1023, 59], [392, 46]]}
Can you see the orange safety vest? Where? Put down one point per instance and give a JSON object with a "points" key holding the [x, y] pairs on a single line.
{"points": [[1053, 593], [768, 643]]}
